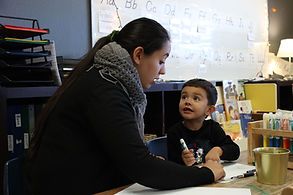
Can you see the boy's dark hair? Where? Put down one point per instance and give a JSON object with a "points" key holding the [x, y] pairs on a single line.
{"points": [[207, 86]]}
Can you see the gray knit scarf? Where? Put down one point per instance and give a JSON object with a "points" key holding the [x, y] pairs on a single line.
{"points": [[115, 62]]}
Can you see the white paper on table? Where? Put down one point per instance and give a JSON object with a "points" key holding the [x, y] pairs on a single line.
{"points": [[235, 169], [139, 189]]}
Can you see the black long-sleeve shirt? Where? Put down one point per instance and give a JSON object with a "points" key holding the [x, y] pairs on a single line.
{"points": [[91, 144], [208, 136]]}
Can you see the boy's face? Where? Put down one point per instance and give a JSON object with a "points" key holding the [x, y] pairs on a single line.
{"points": [[194, 103]]}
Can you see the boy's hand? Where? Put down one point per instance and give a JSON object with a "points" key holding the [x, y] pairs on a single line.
{"points": [[214, 154], [188, 157]]}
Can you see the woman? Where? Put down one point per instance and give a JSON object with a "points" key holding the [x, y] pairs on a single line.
{"points": [[89, 136]]}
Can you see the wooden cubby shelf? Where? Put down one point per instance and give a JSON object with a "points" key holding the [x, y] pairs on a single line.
{"points": [[255, 133]]}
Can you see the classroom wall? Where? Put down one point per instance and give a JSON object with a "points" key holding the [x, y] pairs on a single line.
{"points": [[67, 20], [280, 22]]}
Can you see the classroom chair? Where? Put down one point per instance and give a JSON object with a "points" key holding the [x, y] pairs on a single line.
{"points": [[158, 146], [13, 177]]}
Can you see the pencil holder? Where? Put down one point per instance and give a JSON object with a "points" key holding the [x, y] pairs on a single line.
{"points": [[271, 165]]}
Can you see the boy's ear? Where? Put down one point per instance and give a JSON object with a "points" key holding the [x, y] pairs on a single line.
{"points": [[137, 55], [211, 109]]}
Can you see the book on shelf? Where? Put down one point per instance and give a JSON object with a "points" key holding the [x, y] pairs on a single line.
{"points": [[231, 94], [21, 120], [245, 111], [31, 119], [25, 126], [219, 113], [15, 136]]}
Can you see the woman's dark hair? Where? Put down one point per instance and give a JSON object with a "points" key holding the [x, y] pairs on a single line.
{"points": [[143, 32]]}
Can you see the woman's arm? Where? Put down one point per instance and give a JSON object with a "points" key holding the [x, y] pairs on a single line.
{"points": [[173, 144], [112, 118]]}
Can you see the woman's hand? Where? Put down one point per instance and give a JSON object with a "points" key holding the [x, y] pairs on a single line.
{"points": [[216, 168]]}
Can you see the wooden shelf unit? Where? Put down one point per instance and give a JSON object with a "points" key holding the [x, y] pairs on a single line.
{"points": [[255, 133]]}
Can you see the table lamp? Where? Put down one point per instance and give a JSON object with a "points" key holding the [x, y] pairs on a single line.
{"points": [[286, 51]]}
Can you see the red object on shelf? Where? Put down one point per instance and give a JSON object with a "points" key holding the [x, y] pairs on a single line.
{"points": [[26, 29], [20, 31]]}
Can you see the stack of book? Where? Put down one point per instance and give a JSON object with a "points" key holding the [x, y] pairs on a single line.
{"points": [[233, 111]]}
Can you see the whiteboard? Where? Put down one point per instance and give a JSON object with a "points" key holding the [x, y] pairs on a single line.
{"points": [[211, 39]]}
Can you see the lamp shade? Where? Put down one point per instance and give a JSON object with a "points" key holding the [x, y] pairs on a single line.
{"points": [[286, 48]]}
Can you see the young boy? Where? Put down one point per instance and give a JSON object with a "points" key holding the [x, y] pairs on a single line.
{"points": [[205, 139]]}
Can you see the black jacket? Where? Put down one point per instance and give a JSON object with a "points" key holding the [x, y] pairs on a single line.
{"points": [[91, 144]]}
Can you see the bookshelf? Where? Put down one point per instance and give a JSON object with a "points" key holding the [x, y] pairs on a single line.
{"points": [[23, 97], [162, 108], [27, 80], [255, 133]]}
